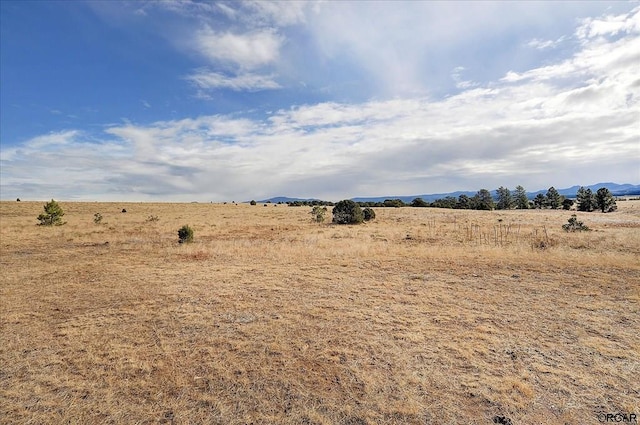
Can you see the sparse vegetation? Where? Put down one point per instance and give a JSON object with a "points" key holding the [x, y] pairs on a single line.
{"points": [[318, 213], [185, 234], [97, 218], [152, 218], [52, 214], [424, 316]]}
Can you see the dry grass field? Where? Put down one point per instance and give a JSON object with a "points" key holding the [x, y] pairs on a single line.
{"points": [[423, 316]]}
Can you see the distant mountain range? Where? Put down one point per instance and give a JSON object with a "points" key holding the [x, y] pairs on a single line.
{"points": [[570, 192]]}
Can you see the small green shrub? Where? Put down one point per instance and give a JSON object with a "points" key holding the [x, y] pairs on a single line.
{"points": [[253, 202], [318, 213], [574, 225], [152, 218], [185, 234], [52, 214], [347, 212], [97, 218], [368, 214]]}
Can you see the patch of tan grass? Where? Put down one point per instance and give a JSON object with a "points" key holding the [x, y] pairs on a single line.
{"points": [[422, 316]]}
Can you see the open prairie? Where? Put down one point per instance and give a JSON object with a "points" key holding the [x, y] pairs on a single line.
{"points": [[422, 316]]}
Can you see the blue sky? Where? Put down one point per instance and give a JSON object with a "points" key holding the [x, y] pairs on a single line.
{"points": [[217, 101]]}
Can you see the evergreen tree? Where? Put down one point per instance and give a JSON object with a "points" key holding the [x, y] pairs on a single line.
{"points": [[464, 202], [52, 214], [505, 200], [446, 202], [394, 203], [483, 200], [520, 198], [605, 200], [539, 201], [554, 200], [419, 202], [585, 199]]}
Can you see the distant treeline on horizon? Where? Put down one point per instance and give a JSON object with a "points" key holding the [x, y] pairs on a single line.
{"points": [[502, 199]]}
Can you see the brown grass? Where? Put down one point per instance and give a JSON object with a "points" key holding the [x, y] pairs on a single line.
{"points": [[423, 316]]}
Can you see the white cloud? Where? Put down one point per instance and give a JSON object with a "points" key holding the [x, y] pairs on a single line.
{"points": [[610, 25], [545, 44], [408, 48], [597, 58], [208, 80], [239, 60], [53, 139], [249, 12], [278, 13], [246, 51], [456, 75]]}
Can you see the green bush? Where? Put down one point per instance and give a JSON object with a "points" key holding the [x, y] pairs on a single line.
{"points": [[185, 234], [52, 214], [347, 212], [574, 225], [318, 213], [368, 214], [252, 202]]}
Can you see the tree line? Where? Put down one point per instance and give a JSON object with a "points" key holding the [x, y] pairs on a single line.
{"points": [[505, 199]]}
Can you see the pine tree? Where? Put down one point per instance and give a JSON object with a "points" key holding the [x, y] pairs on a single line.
{"points": [[464, 202], [52, 214], [505, 200], [483, 200], [605, 200], [554, 200], [520, 198], [585, 199]]}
